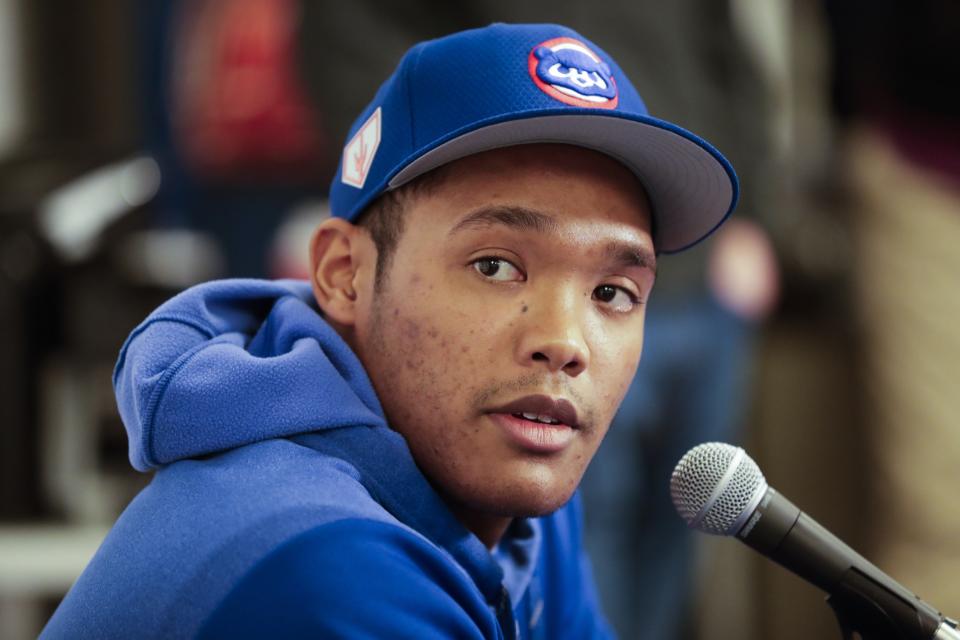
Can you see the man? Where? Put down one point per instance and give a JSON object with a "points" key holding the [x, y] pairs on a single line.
{"points": [[394, 449]]}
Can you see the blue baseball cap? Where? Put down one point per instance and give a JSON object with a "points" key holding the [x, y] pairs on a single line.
{"points": [[506, 85]]}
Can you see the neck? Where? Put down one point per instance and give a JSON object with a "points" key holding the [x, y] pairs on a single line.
{"points": [[489, 528]]}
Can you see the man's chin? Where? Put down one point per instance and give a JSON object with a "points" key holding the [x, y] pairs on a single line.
{"points": [[522, 501]]}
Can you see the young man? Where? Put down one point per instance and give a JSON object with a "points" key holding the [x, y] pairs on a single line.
{"points": [[393, 450]]}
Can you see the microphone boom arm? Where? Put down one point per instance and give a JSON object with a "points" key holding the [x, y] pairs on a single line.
{"points": [[872, 612], [864, 599]]}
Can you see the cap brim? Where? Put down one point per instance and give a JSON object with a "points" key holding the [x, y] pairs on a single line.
{"points": [[691, 185]]}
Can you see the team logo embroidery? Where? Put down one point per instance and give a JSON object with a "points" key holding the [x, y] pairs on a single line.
{"points": [[359, 152], [566, 69]]}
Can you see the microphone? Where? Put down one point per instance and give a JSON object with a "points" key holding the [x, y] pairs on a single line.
{"points": [[718, 489]]}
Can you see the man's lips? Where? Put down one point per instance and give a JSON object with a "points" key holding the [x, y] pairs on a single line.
{"points": [[532, 436], [559, 410]]}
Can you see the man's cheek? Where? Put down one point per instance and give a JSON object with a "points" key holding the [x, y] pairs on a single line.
{"points": [[623, 371]]}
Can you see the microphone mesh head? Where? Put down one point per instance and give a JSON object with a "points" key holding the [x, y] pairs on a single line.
{"points": [[715, 487]]}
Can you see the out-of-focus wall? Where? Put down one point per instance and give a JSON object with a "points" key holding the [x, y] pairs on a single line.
{"points": [[12, 104], [69, 103]]}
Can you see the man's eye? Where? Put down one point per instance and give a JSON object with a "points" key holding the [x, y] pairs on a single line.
{"points": [[618, 298], [497, 269]]}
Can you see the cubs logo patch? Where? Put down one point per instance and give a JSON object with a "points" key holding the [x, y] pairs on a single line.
{"points": [[567, 70], [359, 152]]}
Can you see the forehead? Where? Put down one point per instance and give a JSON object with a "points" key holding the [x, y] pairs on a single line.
{"points": [[574, 185]]}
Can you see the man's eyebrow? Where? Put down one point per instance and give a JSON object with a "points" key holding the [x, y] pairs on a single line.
{"points": [[631, 255], [623, 253], [509, 216]]}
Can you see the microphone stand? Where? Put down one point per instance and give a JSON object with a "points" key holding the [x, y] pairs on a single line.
{"points": [[868, 610]]}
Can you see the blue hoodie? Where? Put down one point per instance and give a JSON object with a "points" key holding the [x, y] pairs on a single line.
{"points": [[283, 506]]}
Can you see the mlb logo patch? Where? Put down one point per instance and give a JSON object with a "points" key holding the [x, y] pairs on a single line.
{"points": [[359, 152], [567, 70]]}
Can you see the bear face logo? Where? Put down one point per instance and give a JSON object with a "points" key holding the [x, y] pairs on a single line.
{"points": [[567, 70]]}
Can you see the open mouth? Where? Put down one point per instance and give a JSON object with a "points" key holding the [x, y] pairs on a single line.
{"points": [[533, 417], [541, 409], [538, 424]]}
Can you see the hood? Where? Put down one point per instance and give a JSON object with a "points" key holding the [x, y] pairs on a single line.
{"points": [[233, 362]]}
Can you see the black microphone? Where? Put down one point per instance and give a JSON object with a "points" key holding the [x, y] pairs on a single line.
{"points": [[718, 489]]}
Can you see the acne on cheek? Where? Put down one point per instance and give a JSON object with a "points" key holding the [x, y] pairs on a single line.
{"points": [[414, 365], [410, 328]]}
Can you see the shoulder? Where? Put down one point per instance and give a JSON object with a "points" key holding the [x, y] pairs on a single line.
{"points": [[258, 482], [198, 529], [354, 578]]}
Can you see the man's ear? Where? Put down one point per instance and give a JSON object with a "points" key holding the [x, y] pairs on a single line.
{"points": [[338, 251]]}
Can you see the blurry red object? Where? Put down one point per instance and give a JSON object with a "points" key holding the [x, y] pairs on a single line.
{"points": [[239, 110]]}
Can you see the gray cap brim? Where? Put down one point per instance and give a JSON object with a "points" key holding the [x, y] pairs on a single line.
{"points": [[691, 186]]}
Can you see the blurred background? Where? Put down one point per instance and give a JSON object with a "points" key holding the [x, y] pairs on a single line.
{"points": [[147, 146]]}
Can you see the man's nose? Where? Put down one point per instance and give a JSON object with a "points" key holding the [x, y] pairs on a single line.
{"points": [[553, 336]]}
